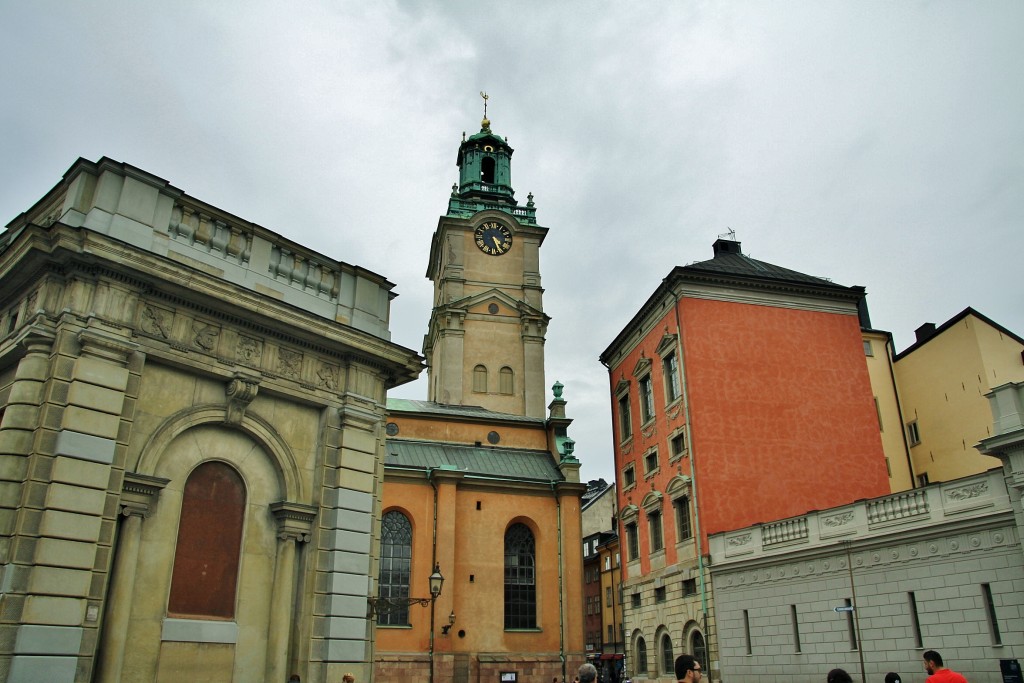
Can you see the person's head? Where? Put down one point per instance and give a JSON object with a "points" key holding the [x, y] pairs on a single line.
{"points": [[348, 678], [838, 676], [587, 674], [932, 661], [686, 665], [892, 677]]}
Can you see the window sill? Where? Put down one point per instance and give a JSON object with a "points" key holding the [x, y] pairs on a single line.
{"points": [[524, 630], [400, 627], [199, 631]]}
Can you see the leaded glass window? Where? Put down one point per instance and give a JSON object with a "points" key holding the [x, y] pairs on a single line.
{"points": [[520, 578], [395, 565]]}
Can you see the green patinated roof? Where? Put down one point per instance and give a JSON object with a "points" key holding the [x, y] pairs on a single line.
{"points": [[503, 463], [408, 405]]}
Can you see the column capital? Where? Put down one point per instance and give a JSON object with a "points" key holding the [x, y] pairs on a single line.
{"points": [[294, 520], [139, 493]]}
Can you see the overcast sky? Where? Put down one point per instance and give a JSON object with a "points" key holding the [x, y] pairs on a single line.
{"points": [[874, 143]]}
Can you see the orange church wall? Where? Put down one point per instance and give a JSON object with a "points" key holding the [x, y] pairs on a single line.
{"points": [[410, 426], [782, 412], [470, 552]]}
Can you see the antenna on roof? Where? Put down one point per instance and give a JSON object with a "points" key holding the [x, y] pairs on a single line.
{"points": [[730, 234]]}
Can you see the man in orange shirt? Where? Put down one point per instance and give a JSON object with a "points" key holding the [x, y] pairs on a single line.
{"points": [[937, 672]]}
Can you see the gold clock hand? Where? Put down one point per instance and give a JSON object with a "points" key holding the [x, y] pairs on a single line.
{"points": [[497, 244]]}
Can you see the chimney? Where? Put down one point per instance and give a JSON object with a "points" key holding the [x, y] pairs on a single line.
{"points": [[924, 332], [723, 246]]}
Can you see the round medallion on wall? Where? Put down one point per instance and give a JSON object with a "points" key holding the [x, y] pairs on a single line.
{"points": [[391, 429], [493, 238], [493, 438], [492, 308]]}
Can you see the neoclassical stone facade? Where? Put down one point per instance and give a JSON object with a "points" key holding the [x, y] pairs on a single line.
{"points": [[191, 441]]}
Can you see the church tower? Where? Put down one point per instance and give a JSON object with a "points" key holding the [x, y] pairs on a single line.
{"points": [[485, 342]]}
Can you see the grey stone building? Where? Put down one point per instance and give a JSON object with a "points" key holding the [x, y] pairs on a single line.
{"points": [[869, 586]]}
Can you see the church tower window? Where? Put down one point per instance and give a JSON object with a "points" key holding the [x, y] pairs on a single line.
{"points": [[395, 566], [487, 169], [207, 555], [480, 379], [506, 378], [520, 578]]}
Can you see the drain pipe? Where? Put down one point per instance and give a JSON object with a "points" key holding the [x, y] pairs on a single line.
{"points": [[693, 477], [561, 587], [433, 563]]}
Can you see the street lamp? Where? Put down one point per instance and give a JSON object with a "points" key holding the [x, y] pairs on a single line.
{"points": [[379, 605]]}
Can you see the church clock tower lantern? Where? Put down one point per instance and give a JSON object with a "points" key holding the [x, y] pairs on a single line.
{"points": [[485, 341]]}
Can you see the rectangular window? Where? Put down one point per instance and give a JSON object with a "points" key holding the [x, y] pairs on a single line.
{"points": [[611, 633], [607, 562], [746, 632], [654, 527], [915, 620], [922, 479], [868, 351], [608, 597], [671, 368], [850, 625], [625, 424], [878, 412], [990, 610], [651, 461], [913, 433], [678, 444], [659, 594], [628, 476], [634, 600], [646, 400], [796, 629], [632, 541], [689, 587], [682, 507]]}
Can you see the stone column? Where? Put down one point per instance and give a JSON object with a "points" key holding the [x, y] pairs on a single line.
{"points": [[294, 525], [137, 501]]}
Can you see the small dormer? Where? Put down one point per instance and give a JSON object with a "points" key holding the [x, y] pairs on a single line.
{"points": [[724, 247]]}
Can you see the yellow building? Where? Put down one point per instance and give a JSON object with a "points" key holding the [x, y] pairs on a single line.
{"points": [[480, 481], [191, 439], [942, 380], [878, 353]]}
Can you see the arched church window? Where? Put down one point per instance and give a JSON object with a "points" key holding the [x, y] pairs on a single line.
{"points": [[520, 578], [487, 170], [507, 378], [480, 379], [395, 567], [208, 551]]}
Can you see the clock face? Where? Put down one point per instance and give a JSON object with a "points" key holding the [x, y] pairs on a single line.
{"points": [[493, 238]]}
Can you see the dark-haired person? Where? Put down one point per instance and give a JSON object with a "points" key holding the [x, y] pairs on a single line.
{"points": [[838, 676], [687, 669], [938, 673], [892, 677]]}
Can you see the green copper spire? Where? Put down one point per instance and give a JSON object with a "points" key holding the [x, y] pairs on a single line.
{"points": [[485, 176]]}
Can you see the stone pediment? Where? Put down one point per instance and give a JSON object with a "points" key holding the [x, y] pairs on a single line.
{"points": [[642, 367], [480, 303], [667, 344], [622, 386], [679, 485], [652, 501]]}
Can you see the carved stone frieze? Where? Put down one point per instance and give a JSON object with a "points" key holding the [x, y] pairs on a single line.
{"points": [[966, 492], [155, 321], [204, 335], [289, 363], [838, 520], [249, 350]]}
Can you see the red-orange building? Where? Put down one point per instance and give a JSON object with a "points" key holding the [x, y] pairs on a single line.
{"points": [[740, 394]]}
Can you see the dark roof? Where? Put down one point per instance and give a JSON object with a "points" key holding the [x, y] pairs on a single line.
{"points": [[408, 405], [730, 268], [504, 463], [950, 323]]}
